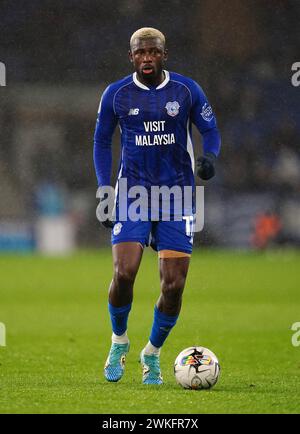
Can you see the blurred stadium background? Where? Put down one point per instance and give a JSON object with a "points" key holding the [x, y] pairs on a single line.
{"points": [[59, 56]]}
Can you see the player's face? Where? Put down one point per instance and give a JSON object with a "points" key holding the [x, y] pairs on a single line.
{"points": [[148, 56]]}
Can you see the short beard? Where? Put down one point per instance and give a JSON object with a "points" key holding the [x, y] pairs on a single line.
{"points": [[152, 78]]}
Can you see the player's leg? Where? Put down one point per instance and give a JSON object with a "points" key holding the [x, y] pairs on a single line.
{"points": [[173, 271], [127, 257], [173, 240], [128, 239]]}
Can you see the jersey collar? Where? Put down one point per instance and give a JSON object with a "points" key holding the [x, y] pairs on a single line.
{"points": [[142, 86]]}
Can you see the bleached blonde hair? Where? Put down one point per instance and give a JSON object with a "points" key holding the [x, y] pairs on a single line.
{"points": [[147, 33]]}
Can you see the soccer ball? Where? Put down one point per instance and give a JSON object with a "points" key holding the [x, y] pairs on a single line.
{"points": [[196, 368]]}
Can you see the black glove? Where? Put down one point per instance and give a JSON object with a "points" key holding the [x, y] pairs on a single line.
{"points": [[108, 224], [206, 166]]}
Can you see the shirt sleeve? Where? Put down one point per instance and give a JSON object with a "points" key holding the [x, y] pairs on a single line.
{"points": [[203, 117], [105, 126]]}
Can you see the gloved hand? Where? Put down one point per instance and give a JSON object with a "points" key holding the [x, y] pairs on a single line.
{"points": [[108, 224], [206, 166]]}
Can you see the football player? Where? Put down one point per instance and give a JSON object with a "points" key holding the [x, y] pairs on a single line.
{"points": [[155, 110]]}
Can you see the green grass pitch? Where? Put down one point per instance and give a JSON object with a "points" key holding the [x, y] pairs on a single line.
{"points": [[240, 305]]}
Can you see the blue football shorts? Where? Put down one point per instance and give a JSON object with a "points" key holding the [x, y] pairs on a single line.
{"points": [[160, 235]]}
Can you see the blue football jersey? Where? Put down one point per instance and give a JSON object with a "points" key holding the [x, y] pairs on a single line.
{"points": [[156, 130]]}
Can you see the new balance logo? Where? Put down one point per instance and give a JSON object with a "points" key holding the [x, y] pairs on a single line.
{"points": [[133, 112]]}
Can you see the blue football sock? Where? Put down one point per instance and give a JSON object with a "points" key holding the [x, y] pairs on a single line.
{"points": [[162, 325], [119, 317]]}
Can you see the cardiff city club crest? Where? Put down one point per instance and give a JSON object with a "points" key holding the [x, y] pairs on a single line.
{"points": [[207, 112], [172, 108]]}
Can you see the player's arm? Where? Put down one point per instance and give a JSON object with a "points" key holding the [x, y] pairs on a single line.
{"points": [[105, 126], [204, 119]]}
